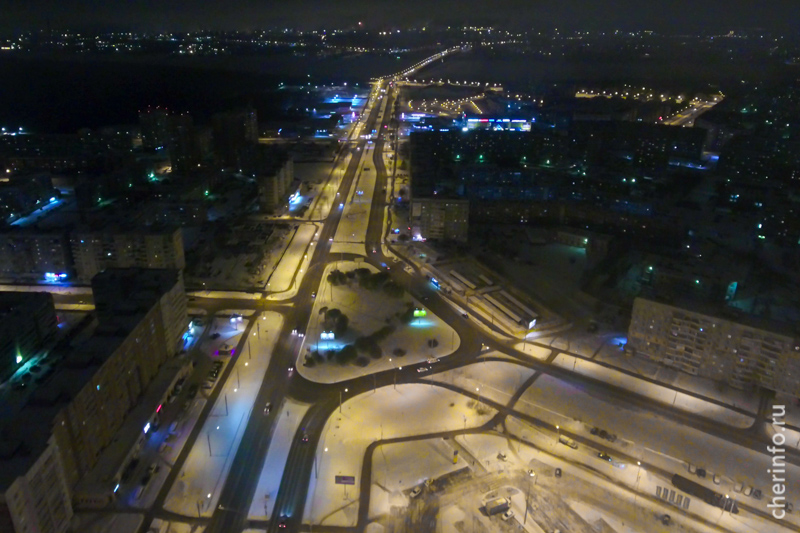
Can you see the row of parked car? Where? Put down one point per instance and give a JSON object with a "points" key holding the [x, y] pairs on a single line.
{"points": [[213, 374]]}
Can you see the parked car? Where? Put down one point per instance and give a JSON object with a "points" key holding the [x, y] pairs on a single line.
{"points": [[416, 491], [215, 335], [508, 514], [558, 472]]}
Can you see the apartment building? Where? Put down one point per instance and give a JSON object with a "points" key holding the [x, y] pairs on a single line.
{"points": [[31, 255], [145, 247], [54, 431], [735, 350], [27, 323], [440, 219]]}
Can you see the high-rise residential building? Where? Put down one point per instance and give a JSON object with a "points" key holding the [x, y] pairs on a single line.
{"points": [[27, 323], [27, 254], [183, 144], [116, 289], [35, 496], [151, 247], [440, 219], [54, 437], [235, 133], [154, 126], [73, 411], [738, 350], [275, 175]]}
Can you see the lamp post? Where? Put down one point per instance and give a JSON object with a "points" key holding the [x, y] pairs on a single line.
{"points": [[532, 474], [340, 401], [636, 488]]}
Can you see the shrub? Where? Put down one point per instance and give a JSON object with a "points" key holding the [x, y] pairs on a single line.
{"points": [[398, 352], [346, 355], [394, 290], [337, 277]]}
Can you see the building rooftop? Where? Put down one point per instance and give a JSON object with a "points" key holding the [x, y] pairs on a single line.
{"points": [[726, 312], [127, 292]]}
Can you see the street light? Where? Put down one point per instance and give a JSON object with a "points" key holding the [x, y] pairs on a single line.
{"points": [[532, 474]]}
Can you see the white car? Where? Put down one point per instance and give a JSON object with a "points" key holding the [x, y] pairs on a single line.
{"points": [[416, 491], [423, 369], [508, 514]]}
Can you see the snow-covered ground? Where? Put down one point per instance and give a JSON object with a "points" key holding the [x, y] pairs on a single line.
{"points": [[295, 260], [288, 420], [656, 392], [596, 489], [368, 311], [494, 380], [118, 522], [197, 488], [225, 295], [395, 466], [648, 436], [385, 413]]}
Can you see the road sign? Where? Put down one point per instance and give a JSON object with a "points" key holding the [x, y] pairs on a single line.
{"points": [[345, 480]]}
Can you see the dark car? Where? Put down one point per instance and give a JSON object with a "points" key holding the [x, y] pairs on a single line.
{"points": [[305, 437], [604, 456], [558, 472], [215, 335], [193, 390], [594, 431], [701, 472]]}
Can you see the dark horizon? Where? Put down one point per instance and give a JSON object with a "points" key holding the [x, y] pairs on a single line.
{"points": [[675, 16]]}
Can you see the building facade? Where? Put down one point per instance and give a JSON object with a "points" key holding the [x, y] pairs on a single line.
{"points": [[274, 182], [27, 323], [30, 255], [94, 251], [39, 501], [720, 349], [440, 219], [54, 438]]}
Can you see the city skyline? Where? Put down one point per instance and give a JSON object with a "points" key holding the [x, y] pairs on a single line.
{"points": [[676, 16]]}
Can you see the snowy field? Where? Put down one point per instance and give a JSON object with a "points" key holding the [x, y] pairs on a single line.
{"points": [[295, 260], [494, 380], [648, 436], [656, 392], [368, 312], [420, 460], [383, 414]]}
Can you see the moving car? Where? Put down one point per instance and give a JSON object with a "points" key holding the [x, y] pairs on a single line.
{"points": [[416, 491], [604, 456], [267, 408], [423, 369]]}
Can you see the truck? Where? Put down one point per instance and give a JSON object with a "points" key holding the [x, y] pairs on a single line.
{"points": [[498, 505], [705, 494]]}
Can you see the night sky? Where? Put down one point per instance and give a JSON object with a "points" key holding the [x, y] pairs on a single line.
{"points": [[674, 16]]}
